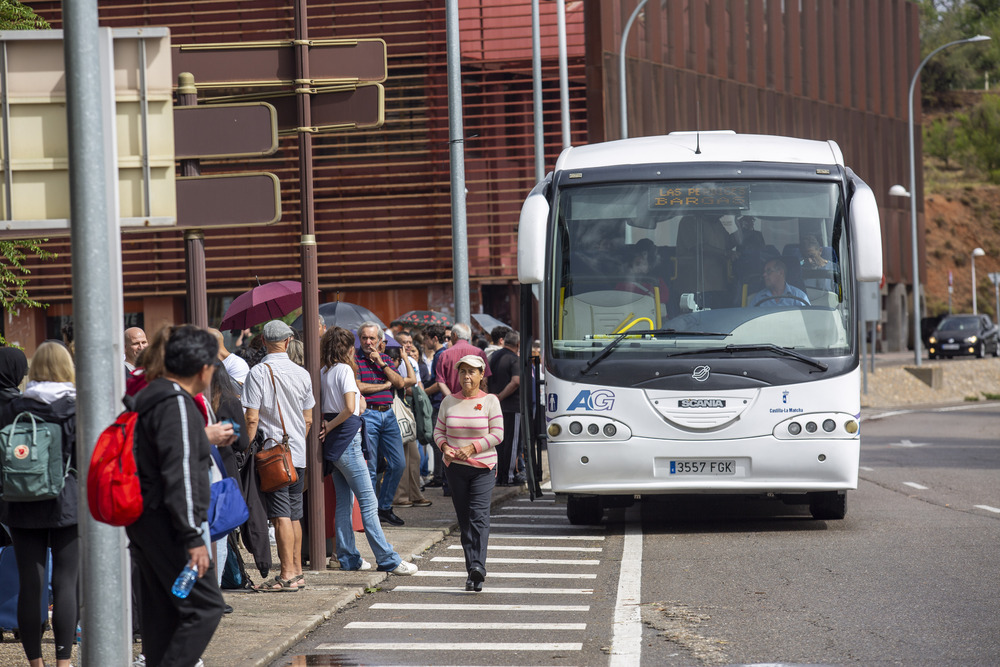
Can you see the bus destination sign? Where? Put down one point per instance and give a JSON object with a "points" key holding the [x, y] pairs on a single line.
{"points": [[702, 196]]}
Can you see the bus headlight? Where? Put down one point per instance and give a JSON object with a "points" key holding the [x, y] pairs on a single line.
{"points": [[587, 428], [823, 426], [610, 430], [576, 428], [555, 430]]}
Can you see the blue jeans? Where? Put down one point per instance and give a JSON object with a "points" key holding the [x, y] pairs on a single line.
{"points": [[351, 475], [384, 441]]}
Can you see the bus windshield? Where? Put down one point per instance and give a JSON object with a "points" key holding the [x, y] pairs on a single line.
{"points": [[722, 263]]}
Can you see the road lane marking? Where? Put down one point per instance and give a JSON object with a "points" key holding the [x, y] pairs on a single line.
{"points": [[916, 486], [988, 508], [415, 606], [558, 526], [452, 646], [510, 591], [626, 643], [533, 509], [907, 443], [459, 625], [534, 561], [494, 536], [866, 469], [508, 575], [536, 500], [498, 547]]}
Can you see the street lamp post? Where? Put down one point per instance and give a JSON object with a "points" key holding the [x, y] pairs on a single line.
{"points": [[978, 252], [622, 88], [913, 193]]}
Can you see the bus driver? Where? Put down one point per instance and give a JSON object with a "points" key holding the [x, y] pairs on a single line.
{"points": [[776, 291]]}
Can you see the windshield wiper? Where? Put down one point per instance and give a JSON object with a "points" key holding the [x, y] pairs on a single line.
{"points": [[610, 347], [777, 349]]}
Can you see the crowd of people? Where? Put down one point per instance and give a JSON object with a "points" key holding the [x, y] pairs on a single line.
{"points": [[399, 412]]}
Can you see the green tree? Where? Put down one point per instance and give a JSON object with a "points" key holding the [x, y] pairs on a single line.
{"points": [[944, 140], [13, 274], [982, 128]]}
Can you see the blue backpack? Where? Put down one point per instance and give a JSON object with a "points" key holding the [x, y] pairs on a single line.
{"points": [[31, 460], [227, 510]]}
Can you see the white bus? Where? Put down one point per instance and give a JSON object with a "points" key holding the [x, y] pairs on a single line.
{"points": [[698, 302]]}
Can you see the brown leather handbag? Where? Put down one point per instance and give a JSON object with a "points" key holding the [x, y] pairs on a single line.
{"points": [[274, 464]]}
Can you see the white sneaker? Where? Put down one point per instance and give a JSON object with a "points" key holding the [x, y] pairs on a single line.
{"points": [[405, 569], [140, 661], [365, 565]]}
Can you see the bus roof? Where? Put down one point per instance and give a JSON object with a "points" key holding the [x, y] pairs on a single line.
{"points": [[718, 146]]}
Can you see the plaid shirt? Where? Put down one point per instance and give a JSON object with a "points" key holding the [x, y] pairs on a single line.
{"points": [[369, 373]]}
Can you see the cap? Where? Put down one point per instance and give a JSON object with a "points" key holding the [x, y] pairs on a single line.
{"points": [[473, 360], [276, 330]]}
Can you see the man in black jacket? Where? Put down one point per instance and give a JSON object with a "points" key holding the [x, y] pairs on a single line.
{"points": [[172, 454]]}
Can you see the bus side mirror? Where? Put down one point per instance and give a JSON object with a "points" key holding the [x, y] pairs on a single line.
{"points": [[866, 233], [531, 236]]}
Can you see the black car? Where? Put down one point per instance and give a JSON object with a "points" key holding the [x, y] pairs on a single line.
{"points": [[964, 334]]}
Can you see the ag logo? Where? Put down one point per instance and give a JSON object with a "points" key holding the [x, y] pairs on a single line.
{"points": [[701, 373], [601, 400], [21, 452]]}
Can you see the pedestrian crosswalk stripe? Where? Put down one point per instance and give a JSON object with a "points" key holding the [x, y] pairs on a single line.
{"points": [[428, 606], [451, 646], [534, 561], [500, 547], [559, 526], [522, 516], [488, 589], [920, 487], [988, 508], [508, 575], [459, 625], [502, 536]]}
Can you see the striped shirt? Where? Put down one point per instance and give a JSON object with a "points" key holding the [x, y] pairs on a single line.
{"points": [[369, 373], [477, 421]]}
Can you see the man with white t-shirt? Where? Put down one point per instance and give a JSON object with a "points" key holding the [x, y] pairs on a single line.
{"points": [[278, 405], [236, 366]]}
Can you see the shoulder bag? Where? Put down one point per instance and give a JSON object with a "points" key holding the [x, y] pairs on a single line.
{"points": [[274, 464]]}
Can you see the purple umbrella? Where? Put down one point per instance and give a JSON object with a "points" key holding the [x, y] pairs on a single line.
{"points": [[263, 303]]}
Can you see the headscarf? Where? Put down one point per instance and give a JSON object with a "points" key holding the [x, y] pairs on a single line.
{"points": [[13, 367]]}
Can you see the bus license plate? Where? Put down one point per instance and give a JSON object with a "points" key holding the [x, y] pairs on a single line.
{"points": [[703, 467]]}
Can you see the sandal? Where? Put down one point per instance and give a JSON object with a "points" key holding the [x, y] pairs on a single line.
{"points": [[298, 580], [277, 585]]}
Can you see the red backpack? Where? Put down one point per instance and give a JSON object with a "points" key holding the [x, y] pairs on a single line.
{"points": [[113, 491]]}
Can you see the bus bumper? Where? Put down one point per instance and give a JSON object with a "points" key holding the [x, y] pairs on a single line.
{"points": [[753, 465]]}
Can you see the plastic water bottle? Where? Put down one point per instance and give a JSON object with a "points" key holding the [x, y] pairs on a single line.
{"points": [[185, 581]]}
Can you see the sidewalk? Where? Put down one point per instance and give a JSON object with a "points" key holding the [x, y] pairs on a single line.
{"points": [[892, 387]]}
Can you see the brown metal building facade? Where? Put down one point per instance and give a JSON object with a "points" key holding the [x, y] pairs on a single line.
{"points": [[822, 69]]}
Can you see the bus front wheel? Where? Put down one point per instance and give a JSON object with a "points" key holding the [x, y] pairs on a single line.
{"points": [[828, 505], [584, 510]]}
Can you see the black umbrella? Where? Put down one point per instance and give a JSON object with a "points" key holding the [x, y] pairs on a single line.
{"points": [[342, 314]]}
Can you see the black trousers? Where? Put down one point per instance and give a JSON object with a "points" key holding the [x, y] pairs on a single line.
{"points": [[29, 547], [175, 632], [471, 493], [507, 449]]}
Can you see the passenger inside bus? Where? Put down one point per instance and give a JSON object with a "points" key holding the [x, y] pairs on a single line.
{"points": [[776, 291]]}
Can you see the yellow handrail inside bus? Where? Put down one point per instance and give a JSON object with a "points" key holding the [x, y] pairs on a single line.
{"points": [[631, 324]]}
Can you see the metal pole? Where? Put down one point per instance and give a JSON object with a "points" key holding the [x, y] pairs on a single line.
{"points": [[975, 309], [536, 90], [913, 196], [864, 359], [194, 239], [996, 294], [456, 134], [567, 139], [96, 251], [310, 288], [622, 88]]}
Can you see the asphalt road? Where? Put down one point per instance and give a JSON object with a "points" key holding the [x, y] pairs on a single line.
{"points": [[910, 577]]}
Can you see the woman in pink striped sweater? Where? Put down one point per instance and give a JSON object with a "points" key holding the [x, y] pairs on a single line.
{"points": [[468, 430]]}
